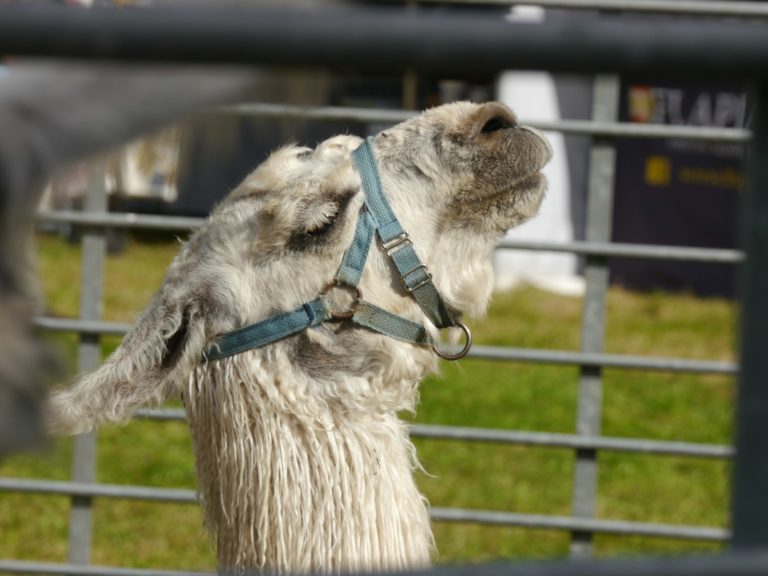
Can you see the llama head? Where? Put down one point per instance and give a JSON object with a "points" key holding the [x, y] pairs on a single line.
{"points": [[464, 174], [456, 176]]}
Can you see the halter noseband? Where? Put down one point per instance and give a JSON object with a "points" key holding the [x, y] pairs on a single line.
{"points": [[375, 216]]}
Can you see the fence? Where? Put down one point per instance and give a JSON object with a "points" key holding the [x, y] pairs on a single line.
{"points": [[625, 49]]}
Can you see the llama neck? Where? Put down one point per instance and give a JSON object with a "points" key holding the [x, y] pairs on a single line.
{"points": [[292, 481]]}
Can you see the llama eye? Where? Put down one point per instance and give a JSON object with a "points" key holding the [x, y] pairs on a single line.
{"points": [[304, 153], [322, 220], [320, 223]]}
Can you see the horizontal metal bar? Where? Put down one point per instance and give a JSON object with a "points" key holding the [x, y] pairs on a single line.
{"points": [[127, 492], [603, 359], [629, 130], [325, 113], [483, 352], [81, 326], [742, 563], [163, 414], [580, 127], [27, 567], [379, 41], [119, 220], [548, 439], [555, 440], [586, 524], [680, 7], [616, 250], [438, 514]]}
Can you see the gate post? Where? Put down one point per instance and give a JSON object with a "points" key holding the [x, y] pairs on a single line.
{"points": [[749, 500], [88, 358], [602, 164]]}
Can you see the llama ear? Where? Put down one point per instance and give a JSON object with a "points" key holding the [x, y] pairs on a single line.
{"points": [[155, 356], [176, 342]]}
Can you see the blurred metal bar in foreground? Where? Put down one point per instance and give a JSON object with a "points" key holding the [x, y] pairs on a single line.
{"points": [[686, 7], [682, 7], [383, 41], [744, 564], [26, 567], [749, 498]]}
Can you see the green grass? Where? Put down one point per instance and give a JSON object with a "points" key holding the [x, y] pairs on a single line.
{"points": [[470, 393]]}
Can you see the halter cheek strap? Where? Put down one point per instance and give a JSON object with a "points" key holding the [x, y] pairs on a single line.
{"points": [[376, 218]]}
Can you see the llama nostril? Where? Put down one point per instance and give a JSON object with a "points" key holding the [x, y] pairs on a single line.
{"points": [[495, 124]]}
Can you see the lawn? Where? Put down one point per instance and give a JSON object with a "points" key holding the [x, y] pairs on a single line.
{"points": [[460, 474]]}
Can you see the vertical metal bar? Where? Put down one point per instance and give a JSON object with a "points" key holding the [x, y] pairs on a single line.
{"points": [[88, 358], [750, 474], [410, 79], [410, 90], [602, 165]]}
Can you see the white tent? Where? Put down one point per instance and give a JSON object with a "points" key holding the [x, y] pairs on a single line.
{"points": [[532, 96]]}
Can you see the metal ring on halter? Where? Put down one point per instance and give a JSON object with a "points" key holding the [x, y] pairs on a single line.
{"points": [[461, 353], [347, 314]]}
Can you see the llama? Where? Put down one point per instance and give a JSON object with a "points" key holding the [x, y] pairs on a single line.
{"points": [[302, 461]]}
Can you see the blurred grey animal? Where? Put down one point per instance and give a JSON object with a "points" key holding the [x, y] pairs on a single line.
{"points": [[52, 114]]}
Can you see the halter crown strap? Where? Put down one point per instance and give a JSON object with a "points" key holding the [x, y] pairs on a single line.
{"points": [[375, 216], [395, 241]]}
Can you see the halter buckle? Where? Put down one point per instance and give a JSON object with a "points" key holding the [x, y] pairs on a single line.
{"points": [[396, 243], [344, 314], [427, 278]]}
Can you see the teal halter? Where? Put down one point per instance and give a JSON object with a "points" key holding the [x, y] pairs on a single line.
{"points": [[375, 216]]}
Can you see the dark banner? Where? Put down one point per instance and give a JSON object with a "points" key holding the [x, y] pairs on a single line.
{"points": [[676, 192]]}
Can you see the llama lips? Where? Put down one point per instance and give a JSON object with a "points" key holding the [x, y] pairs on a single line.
{"points": [[528, 184], [543, 139], [533, 181]]}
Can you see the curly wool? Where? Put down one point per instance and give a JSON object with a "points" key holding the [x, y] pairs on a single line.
{"points": [[288, 489]]}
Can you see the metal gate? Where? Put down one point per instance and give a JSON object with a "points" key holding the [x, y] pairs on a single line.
{"points": [[742, 54]]}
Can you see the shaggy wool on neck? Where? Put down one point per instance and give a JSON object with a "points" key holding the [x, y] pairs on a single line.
{"points": [[289, 488]]}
